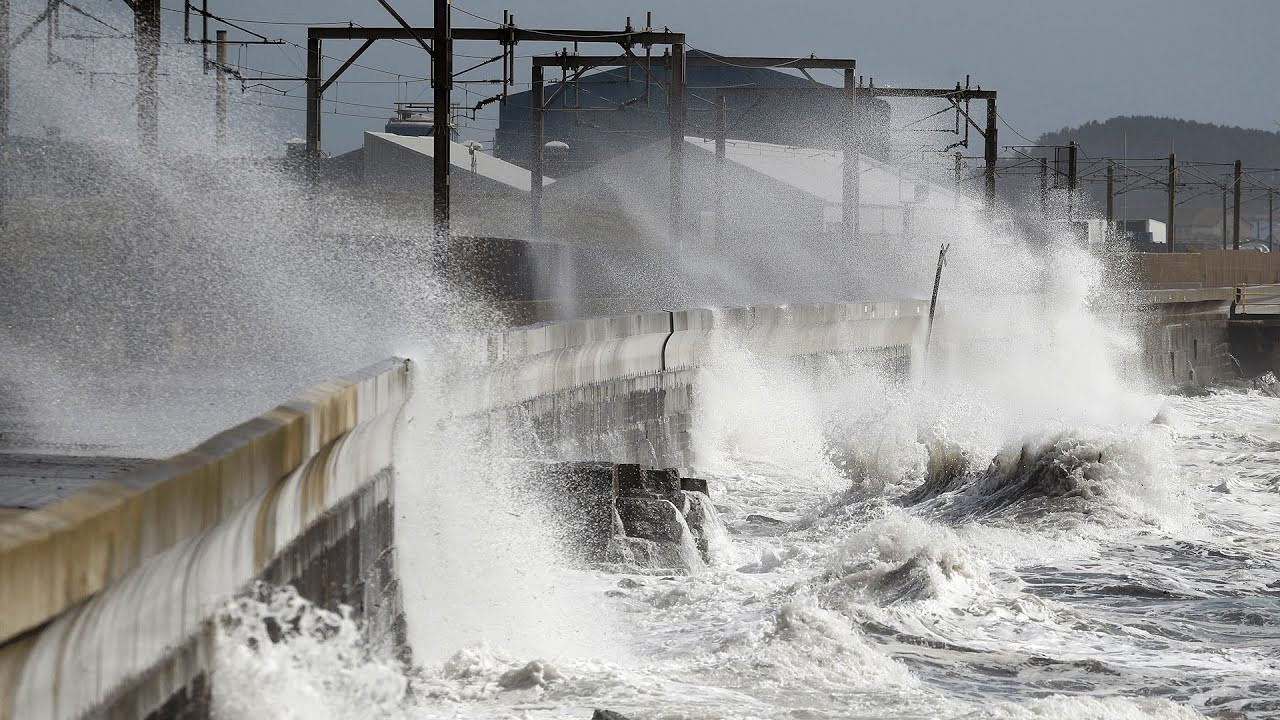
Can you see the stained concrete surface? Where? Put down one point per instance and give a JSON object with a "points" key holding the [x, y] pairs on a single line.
{"points": [[29, 480]]}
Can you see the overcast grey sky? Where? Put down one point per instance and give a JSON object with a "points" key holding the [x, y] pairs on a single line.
{"points": [[1054, 63]]}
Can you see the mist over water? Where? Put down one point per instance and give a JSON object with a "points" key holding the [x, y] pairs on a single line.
{"points": [[1018, 526]]}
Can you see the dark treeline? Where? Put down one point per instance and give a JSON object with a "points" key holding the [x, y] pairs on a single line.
{"points": [[1143, 138]]}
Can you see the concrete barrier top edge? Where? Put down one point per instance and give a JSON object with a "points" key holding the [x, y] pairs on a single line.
{"points": [[94, 515], [545, 337]]}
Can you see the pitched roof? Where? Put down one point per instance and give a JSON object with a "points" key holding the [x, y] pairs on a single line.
{"points": [[820, 173], [487, 166]]}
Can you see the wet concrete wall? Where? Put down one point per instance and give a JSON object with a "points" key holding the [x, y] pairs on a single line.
{"points": [[109, 593], [620, 389], [1186, 342]]}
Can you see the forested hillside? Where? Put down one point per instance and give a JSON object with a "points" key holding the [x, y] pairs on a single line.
{"points": [[1146, 139]]}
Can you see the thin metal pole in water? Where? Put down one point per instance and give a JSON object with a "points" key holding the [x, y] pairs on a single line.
{"points": [[933, 302]]}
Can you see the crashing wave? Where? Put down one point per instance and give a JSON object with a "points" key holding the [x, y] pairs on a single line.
{"points": [[1059, 475]]}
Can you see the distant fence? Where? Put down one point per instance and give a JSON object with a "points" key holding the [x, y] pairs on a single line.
{"points": [[1213, 268]]}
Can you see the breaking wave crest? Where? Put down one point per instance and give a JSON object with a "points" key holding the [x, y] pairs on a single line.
{"points": [[1064, 476]]}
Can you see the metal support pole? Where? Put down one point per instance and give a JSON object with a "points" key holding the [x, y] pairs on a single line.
{"points": [[1224, 218], [933, 301], [535, 152], [1073, 178], [722, 129], [1235, 213], [220, 103], [204, 36], [676, 115], [5, 52], [851, 195], [1170, 231], [991, 150], [315, 62], [1271, 219], [442, 81], [1044, 187], [959, 170], [1111, 193], [146, 29]]}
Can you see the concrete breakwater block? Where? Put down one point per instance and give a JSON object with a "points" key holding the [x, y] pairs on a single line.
{"points": [[629, 514]]}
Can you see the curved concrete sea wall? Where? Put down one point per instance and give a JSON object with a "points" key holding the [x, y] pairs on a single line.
{"points": [[621, 388], [108, 594]]}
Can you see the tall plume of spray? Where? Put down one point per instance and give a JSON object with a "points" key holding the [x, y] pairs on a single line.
{"points": [[155, 297], [138, 284]]}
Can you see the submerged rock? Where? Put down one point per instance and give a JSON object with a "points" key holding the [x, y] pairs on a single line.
{"points": [[607, 715], [536, 673]]}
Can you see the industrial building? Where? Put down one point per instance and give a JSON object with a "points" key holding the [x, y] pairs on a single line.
{"points": [[614, 111]]}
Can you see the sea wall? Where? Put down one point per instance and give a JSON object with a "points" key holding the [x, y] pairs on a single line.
{"points": [[1185, 336], [108, 595], [620, 388], [111, 595]]}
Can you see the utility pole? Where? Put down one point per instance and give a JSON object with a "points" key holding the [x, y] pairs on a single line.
{"points": [[1111, 194], [1235, 213], [991, 150], [1173, 201], [851, 192], [220, 103], [536, 138], [1072, 179], [442, 80], [676, 117], [959, 171], [314, 66], [5, 51], [146, 30], [1044, 187], [722, 130], [1224, 217]]}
